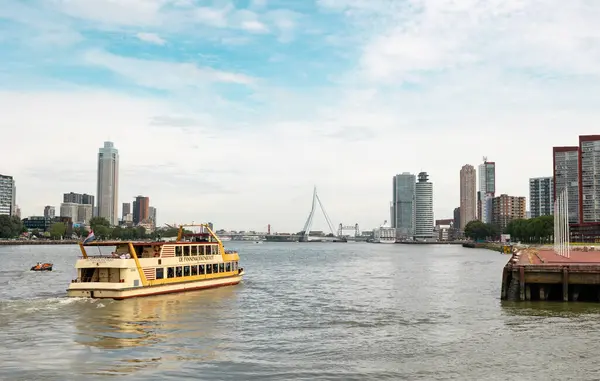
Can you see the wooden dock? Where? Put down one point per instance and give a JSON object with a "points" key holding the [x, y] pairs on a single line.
{"points": [[541, 274]]}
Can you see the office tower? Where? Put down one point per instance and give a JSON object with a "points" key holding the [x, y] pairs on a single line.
{"points": [[49, 212], [566, 176], [126, 210], [84, 213], [506, 209], [141, 209], [541, 196], [108, 183], [487, 190], [423, 207], [589, 174], [7, 195], [468, 196], [78, 198], [70, 210], [152, 215], [403, 205], [457, 221]]}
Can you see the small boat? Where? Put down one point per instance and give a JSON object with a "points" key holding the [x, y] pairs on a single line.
{"points": [[42, 267]]}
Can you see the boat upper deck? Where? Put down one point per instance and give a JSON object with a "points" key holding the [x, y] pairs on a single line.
{"points": [[147, 243]]}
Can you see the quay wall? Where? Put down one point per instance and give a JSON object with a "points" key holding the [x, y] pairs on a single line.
{"points": [[37, 242]]}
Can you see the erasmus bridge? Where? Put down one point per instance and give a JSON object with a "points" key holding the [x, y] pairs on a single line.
{"points": [[334, 236]]}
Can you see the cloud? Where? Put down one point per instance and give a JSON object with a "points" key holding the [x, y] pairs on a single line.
{"points": [[151, 38], [123, 12], [162, 74], [249, 108]]}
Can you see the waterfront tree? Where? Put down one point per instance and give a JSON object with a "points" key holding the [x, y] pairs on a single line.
{"points": [[57, 230], [477, 230], [10, 227], [533, 230]]}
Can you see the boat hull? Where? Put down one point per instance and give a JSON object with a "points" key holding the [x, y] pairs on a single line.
{"points": [[136, 292]]}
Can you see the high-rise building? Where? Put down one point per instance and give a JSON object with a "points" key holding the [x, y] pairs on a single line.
{"points": [[141, 209], [589, 174], [403, 205], [49, 212], [487, 190], [84, 213], [541, 196], [566, 176], [152, 215], [108, 183], [126, 210], [423, 208], [457, 221], [506, 209], [70, 210], [78, 198], [468, 195], [8, 194]]}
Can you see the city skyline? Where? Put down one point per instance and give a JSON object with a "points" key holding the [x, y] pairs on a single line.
{"points": [[262, 103]]}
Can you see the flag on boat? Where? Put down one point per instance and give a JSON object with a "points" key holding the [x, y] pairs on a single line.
{"points": [[90, 237]]}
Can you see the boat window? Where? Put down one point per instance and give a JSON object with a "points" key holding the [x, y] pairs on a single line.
{"points": [[178, 251], [201, 269], [160, 273], [194, 270], [178, 271], [208, 269], [235, 265], [194, 250], [186, 251], [228, 267], [215, 267], [170, 272], [202, 250], [186, 270], [221, 267]]}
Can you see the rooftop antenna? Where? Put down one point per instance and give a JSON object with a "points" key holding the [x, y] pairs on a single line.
{"points": [[485, 159]]}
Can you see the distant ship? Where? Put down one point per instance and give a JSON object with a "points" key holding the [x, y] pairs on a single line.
{"points": [[384, 234]]}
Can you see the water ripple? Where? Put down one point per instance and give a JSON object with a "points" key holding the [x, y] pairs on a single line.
{"points": [[304, 312]]}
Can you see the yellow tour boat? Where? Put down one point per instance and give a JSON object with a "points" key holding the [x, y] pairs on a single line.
{"points": [[194, 261]]}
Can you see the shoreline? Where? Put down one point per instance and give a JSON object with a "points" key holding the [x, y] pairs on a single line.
{"points": [[37, 242]]}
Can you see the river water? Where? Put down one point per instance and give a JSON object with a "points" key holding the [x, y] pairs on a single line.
{"points": [[305, 311]]}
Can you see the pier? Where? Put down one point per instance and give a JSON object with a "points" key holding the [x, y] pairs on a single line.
{"points": [[543, 274]]}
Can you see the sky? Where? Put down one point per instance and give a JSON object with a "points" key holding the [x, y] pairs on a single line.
{"points": [[231, 111]]}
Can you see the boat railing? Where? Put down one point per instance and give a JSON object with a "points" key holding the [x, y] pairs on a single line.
{"points": [[98, 256]]}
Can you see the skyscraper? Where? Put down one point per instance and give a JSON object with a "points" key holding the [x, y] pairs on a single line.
{"points": [[126, 210], [152, 215], [141, 209], [108, 183], [541, 196], [566, 175], [589, 173], [7, 196], [487, 190], [423, 208], [468, 195], [403, 205]]}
